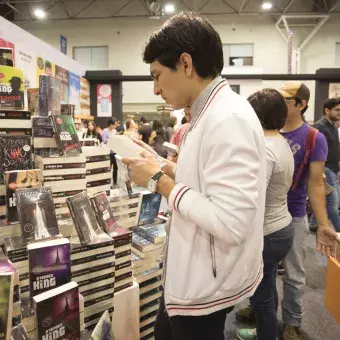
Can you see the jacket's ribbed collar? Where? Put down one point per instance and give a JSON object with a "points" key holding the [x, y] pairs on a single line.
{"points": [[202, 98]]}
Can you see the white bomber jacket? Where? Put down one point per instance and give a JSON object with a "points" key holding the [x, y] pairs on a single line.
{"points": [[214, 255]]}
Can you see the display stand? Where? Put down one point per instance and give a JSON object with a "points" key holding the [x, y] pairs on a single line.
{"points": [[332, 299], [125, 319]]}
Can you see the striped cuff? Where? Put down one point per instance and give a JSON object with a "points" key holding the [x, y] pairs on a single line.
{"points": [[176, 196]]}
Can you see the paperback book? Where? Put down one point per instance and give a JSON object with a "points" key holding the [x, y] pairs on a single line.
{"points": [[33, 101], [103, 329], [66, 134], [84, 218], [154, 233], [57, 313], [36, 214], [49, 95], [49, 265], [18, 179], [149, 208], [15, 153]]}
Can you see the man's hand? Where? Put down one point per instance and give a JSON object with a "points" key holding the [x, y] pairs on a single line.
{"points": [[141, 169], [326, 239]]}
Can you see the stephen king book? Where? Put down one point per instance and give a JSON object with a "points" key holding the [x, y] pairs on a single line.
{"points": [[58, 314], [15, 153], [7, 273], [66, 134], [84, 218], [18, 179], [49, 265], [103, 329], [11, 87], [49, 95], [149, 208], [36, 213], [105, 218]]}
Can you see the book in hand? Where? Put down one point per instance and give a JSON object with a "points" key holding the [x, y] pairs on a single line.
{"points": [[7, 273], [49, 95], [66, 135], [49, 265], [15, 153], [103, 211], [57, 313], [18, 179], [103, 329], [84, 218], [36, 213]]}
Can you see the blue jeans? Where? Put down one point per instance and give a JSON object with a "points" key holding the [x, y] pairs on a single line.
{"points": [[265, 300], [332, 201]]}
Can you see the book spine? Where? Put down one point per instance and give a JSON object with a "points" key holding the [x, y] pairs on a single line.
{"points": [[75, 220]]}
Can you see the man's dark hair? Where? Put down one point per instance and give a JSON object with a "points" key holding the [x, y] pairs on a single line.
{"points": [[143, 120], [330, 104], [112, 121], [158, 127], [190, 33], [270, 107], [184, 120]]}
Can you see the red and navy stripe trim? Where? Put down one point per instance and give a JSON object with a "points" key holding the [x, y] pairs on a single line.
{"points": [[179, 196]]}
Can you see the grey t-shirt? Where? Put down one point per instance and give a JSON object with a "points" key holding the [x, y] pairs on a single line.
{"points": [[280, 170]]}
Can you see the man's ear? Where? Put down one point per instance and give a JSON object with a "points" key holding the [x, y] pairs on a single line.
{"points": [[303, 104], [185, 62]]}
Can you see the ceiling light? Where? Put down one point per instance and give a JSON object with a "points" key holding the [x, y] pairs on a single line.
{"points": [[169, 8], [267, 5], [40, 13]]}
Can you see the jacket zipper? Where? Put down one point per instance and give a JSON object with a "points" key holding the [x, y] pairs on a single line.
{"points": [[213, 255]]}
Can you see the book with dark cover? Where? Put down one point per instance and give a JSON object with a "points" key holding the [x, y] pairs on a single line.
{"points": [[7, 273], [149, 209], [49, 95], [57, 313], [84, 218], [143, 244], [105, 218], [14, 247], [41, 122], [33, 101], [10, 114], [49, 265], [15, 153], [103, 329], [36, 213], [66, 134], [154, 233], [67, 109], [19, 333], [18, 179]]}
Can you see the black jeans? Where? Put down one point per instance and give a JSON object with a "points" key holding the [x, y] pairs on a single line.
{"points": [[206, 327], [265, 300], [115, 167]]}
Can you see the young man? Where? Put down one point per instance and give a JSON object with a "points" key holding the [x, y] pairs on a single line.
{"points": [[145, 130], [217, 195], [307, 178], [327, 125]]}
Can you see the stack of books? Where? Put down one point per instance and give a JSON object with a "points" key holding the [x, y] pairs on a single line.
{"points": [[93, 268], [66, 176], [15, 122], [98, 169], [122, 241]]}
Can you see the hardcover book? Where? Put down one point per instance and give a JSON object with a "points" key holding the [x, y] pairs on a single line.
{"points": [[149, 208], [15, 153], [33, 101], [154, 233], [103, 329], [84, 218], [49, 95], [11, 87], [57, 313], [18, 179], [36, 213], [49, 265], [7, 273], [142, 244], [66, 134], [105, 218]]}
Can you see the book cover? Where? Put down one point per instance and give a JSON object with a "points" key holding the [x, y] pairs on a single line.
{"points": [[66, 134], [149, 208], [103, 329], [105, 218], [41, 122], [49, 265], [15, 153], [57, 313], [33, 101], [7, 272], [63, 75], [11, 87], [84, 218], [49, 95], [154, 233], [36, 213], [18, 179], [19, 333]]}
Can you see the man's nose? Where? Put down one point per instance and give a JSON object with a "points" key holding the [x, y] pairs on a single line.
{"points": [[156, 89]]}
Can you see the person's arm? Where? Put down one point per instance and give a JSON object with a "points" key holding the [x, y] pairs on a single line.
{"points": [[105, 136], [270, 162]]}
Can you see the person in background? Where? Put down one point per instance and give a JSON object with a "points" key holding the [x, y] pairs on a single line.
{"points": [[91, 132], [271, 109], [169, 130], [327, 126], [145, 130], [131, 129], [157, 138], [179, 133], [308, 177], [79, 129], [112, 124]]}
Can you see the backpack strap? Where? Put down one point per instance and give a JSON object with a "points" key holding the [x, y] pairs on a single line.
{"points": [[310, 143]]}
